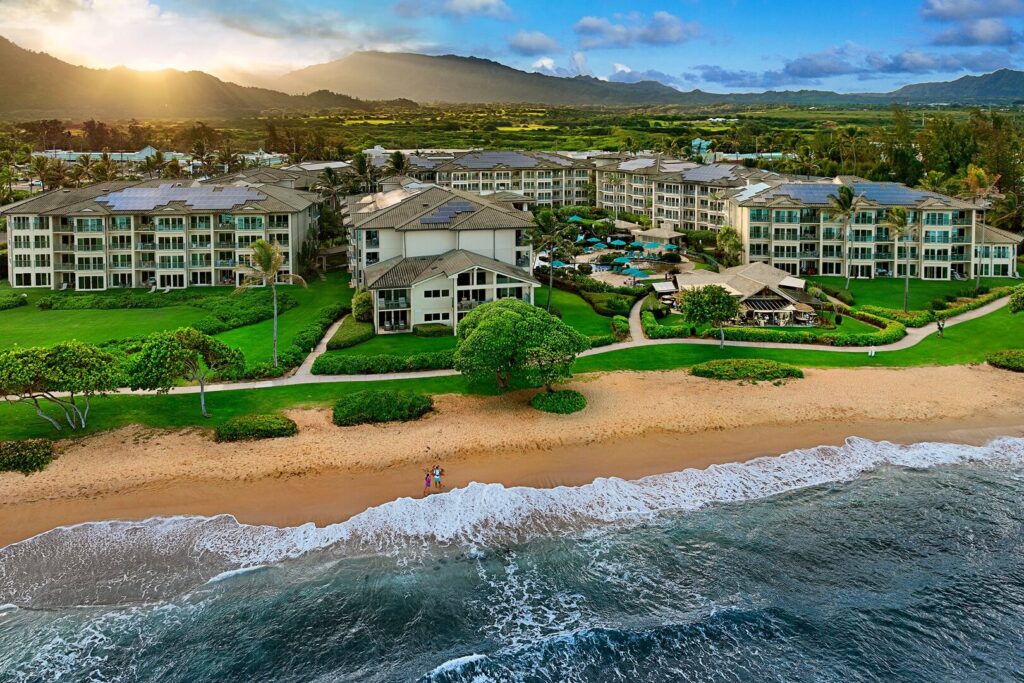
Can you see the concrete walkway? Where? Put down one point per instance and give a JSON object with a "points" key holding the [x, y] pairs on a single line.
{"points": [[304, 375]]}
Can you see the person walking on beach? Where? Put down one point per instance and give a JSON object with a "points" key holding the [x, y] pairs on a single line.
{"points": [[437, 476], [426, 482]]}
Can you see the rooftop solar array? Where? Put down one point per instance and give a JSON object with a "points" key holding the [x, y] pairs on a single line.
{"points": [[708, 173], [447, 212], [554, 158], [636, 164], [886, 194], [486, 160], [202, 197]]}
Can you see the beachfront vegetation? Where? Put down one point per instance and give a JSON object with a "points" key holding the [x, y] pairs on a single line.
{"points": [[350, 333], [561, 402], [12, 300], [32, 455], [252, 427], [511, 340], [1017, 300], [376, 406], [60, 381], [341, 363], [1007, 360], [433, 330], [167, 358], [362, 306], [265, 270], [750, 369], [709, 305]]}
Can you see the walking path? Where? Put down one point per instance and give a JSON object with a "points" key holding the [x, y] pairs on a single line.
{"points": [[304, 375]]}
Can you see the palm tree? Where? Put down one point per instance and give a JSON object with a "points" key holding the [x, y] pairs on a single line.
{"points": [[154, 164], [202, 155], [171, 169], [227, 159], [900, 228], [844, 205], [979, 188], [1008, 212], [550, 236], [39, 168], [105, 169], [615, 180], [330, 186], [397, 164], [265, 270], [84, 163], [365, 171]]}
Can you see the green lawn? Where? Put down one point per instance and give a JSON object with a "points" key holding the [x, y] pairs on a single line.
{"points": [[256, 341], [398, 345], [888, 292], [29, 326], [576, 312]]}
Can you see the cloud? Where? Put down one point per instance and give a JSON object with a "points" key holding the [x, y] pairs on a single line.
{"points": [[623, 74], [738, 78], [989, 31], [495, 9], [958, 10], [577, 66], [533, 43], [661, 28], [916, 62]]}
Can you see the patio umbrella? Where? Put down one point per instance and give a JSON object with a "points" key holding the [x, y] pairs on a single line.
{"points": [[579, 238], [575, 219], [671, 246], [638, 274], [600, 245], [593, 240], [617, 243], [621, 259], [637, 243], [652, 245], [558, 264]]}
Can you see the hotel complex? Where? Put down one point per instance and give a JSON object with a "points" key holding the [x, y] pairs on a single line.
{"points": [[154, 233]]}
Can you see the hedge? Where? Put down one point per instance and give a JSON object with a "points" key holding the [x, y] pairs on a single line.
{"points": [[371, 406], [350, 333], [608, 303], [303, 341], [561, 402], [597, 340], [32, 455], [620, 327], [745, 369], [836, 293], [432, 330], [12, 300], [342, 364], [890, 331], [977, 302], [251, 427], [908, 318], [1012, 359], [654, 330]]}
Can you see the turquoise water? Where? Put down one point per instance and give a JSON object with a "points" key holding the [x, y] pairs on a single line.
{"points": [[870, 562]]}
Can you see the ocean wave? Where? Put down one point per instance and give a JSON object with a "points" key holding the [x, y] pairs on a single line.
{"points": [[156, 558]]}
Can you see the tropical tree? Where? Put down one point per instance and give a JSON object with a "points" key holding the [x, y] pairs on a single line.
{"points": [[227, 159], [614, 179], [549, 236], [39, 168], [153, 165], [843, 205], [184, 354], [264, 270], [105, 169], [899, 228], [57, 173], [709, 305], [172, 169], [84, 165], [511, 339], [730, 244], [1017, 300], [65, 376], [202, 155], [979, 187], [330, 186], [397, 164], [1008, 212]]}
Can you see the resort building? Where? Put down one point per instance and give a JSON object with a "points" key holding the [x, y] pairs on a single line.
{"points": [[430, 254], [151, 234], [547, 178], [788, 225], [767, 295], [626, 182]]}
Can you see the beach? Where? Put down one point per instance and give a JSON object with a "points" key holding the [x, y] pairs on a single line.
{"points": [[636, 424]]}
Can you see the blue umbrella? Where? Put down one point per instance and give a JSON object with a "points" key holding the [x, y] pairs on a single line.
{"points": [[575, 219], [652, 245], [558, 264], [621, 259], [617, 243], [592, 240], [637, 243], [579, 238], [671, 246], [638, 273], [600, 245]]}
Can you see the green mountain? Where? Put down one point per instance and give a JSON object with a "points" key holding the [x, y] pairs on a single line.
{"points": [[34, 84], [1003, 86]]}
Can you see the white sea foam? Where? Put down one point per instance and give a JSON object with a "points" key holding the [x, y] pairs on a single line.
{"points": [[223, 576], [455, 664], [199, 548]]}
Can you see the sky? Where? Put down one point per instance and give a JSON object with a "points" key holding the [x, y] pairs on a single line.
{"points": [[714, 45]]}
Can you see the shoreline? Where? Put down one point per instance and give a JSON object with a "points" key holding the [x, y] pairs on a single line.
{"points": [[637, 424]]}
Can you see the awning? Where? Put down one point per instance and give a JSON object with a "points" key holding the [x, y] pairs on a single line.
{"points": [[766, 304], [664, 287]]}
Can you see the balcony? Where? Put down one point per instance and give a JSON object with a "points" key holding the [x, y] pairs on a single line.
{"points": [[809, 254], [170, 247], [170, 228], [523, 240], [226, 263], [200, 264], [226, 225], [199, 245], [960, 239], [470, 304], [862, 238], [937, 240], [809, 234], [959, 257], [146, 246], [88, 228], [936, 257], [121, 246], [121, 266], [392, 304], [225, 245], [66, 248], [89, 266], [147, 264], [120, 228], [88, 247], [171, 265], [884, 256]]}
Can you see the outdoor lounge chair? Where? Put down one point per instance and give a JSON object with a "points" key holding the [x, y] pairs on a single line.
{"points": [[387, 326], [152, 289], [64, 287]]}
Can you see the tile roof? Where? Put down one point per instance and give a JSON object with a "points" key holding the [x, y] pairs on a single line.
{"points": [[398, 272], [514, 160], [876, 193], [746, 280], [429, 207]]}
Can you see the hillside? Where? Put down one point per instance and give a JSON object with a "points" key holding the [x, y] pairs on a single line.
{"points": [[34, 84], [1004, 85]]}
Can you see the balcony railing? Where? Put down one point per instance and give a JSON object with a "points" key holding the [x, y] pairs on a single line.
{"points": [[960, 239], [959, 257], [170, 247], [226, 263], [392, 304], [88, 247], [809, 254], [937, 240], [120, 228], [199, 245], [170, 265], [89, 266], [147, 264], [937, 257], [120, 246], [862, 238], [200, 264], [471, 304], [225, 245], [88, 228], [170, 228], [883, 256], [146, 246], [121, 266]]}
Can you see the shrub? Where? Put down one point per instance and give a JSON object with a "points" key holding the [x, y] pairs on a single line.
{"points": [[561, 402], [620, 327], [432, 330], [672, 257], [937, 304], [908, 318], [654, 330], [251, 427], [341, 364], [890, 331], [12, 300], [350, 333], [597, 340], [362, 306], [745, 369], [585, 269], [28, 456], [371, 406], [976, 302], [836, 293], [608, 303], [1012, 359]]}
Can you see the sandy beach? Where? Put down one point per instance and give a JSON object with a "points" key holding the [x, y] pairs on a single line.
{"points": [[636, 424]]}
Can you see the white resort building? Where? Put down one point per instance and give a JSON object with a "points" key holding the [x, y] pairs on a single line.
{"points": [[154, 233], [547, 178], [789, 226], [430, 254]]}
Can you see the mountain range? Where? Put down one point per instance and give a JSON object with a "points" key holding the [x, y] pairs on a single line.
{"points": [[36, 85]]}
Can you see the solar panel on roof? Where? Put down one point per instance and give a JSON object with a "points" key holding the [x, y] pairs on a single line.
{"points": [[447, 211], [203, 197]]}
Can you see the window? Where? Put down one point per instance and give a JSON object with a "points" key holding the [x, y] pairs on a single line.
{"points": [[23, 279], [436, 317], [42, 260], [831, 268], [41, 242], [121, 222], [372, 257], [90, 282], [436, 294], [170, 223], [249, 222], [42, 279], [278, 220], [199, 222], [21, 242]]}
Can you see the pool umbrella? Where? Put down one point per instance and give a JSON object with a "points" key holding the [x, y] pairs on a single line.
{"points": [[558, 264], [600, 245], [575, 219], [621, 259], [637, 243], [671, 246], [593, 240], [652, 245], [579, 238], [617, 243]]}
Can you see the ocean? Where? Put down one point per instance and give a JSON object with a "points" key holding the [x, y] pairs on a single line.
{"points": [[866, 562]]}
